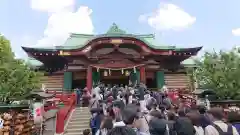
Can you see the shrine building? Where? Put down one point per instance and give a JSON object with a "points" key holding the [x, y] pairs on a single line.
{"points": [[115, 57]]}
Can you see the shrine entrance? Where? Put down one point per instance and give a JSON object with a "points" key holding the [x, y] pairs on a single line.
{"points": [[114, 77]]}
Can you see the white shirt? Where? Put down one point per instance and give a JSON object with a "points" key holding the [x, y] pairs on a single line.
{"points": [[96, 92], [199, 130], [210, 130]]}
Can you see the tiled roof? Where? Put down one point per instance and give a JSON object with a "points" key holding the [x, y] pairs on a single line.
{"points": [[76, 41]]}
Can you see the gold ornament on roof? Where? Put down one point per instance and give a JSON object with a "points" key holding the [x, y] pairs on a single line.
{"points": [[62, 53], [116, 41]]}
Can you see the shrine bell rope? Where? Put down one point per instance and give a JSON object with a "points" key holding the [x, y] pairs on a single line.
{"points": [[121, 69]]}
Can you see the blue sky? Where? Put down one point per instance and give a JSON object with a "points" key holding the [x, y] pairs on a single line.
{"points": [[184, 23]]}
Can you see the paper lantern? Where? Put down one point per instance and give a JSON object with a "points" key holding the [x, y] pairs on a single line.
{"points": [[105, 73], [127, 73]]}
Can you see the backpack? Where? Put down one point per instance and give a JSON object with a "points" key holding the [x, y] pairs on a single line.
{"points": [[93, 122], [220, 131]]}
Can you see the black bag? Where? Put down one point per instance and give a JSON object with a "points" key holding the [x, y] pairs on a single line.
{"points": [[221, 132]]}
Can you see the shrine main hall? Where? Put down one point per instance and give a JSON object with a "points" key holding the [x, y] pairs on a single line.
{"points": [[115, 57]]}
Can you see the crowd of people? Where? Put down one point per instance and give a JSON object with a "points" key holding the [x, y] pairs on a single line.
{"points": [[136, 111]]}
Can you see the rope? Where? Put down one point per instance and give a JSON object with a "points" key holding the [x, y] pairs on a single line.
{"points": [[118, 68]]}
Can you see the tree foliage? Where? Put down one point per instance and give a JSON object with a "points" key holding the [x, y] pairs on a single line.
{"points": [[220, 71], [16, 78]]}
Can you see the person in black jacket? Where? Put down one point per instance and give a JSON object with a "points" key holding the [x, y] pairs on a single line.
{"points": [[183, 125], [204, 120]]}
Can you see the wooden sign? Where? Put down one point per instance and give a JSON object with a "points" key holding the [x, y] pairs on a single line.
{"points": [[116, 41], [62, 53]]}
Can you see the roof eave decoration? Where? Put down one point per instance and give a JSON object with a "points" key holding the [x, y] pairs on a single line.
{"points": [[40, 51], [114, 29]]}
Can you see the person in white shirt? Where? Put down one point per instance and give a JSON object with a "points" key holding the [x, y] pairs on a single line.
{"points": [[216, 115], [96, 91], [195, 118]]}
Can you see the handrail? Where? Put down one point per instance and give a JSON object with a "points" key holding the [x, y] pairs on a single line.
{"points": [[63, 114]]}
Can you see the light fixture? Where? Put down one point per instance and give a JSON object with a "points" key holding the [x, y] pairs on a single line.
{"points": [[105, 73], [127, 73]]}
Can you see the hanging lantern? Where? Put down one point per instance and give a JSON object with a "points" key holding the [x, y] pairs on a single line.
{"points": [[109, 71], [122, 71], [65, 67], [127, 73], [105, 73], [97, 69], [134, 69]]}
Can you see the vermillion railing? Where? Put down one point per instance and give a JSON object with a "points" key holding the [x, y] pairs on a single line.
{"points": [[60, 96], [64, 113]]}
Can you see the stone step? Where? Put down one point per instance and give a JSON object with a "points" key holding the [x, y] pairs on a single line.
{"points": [[78, 122], [80, 119], [76, 130], [73, 133], [80, 114], [82, 108], [76, 125]]}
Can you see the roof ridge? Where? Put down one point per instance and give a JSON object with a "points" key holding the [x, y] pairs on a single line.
{"points": [[122, 34], [146, 35], [85, 35]]}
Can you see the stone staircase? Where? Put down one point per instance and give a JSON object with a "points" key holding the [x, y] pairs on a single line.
{"points": [[78, 122], [174, 81]]}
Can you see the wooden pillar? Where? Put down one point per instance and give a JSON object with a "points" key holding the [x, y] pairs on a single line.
{"points": [[160, 79], [67, 81], [89, 78], [142, 75]]}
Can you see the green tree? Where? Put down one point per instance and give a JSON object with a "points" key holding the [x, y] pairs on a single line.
{"points": [[192, 77], [16, 78], [220, 71]]}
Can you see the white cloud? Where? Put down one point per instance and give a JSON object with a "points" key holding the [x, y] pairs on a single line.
{"points": [[236, 32], [64, 21], [168, 17], [52, 5], [18, 41]]}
